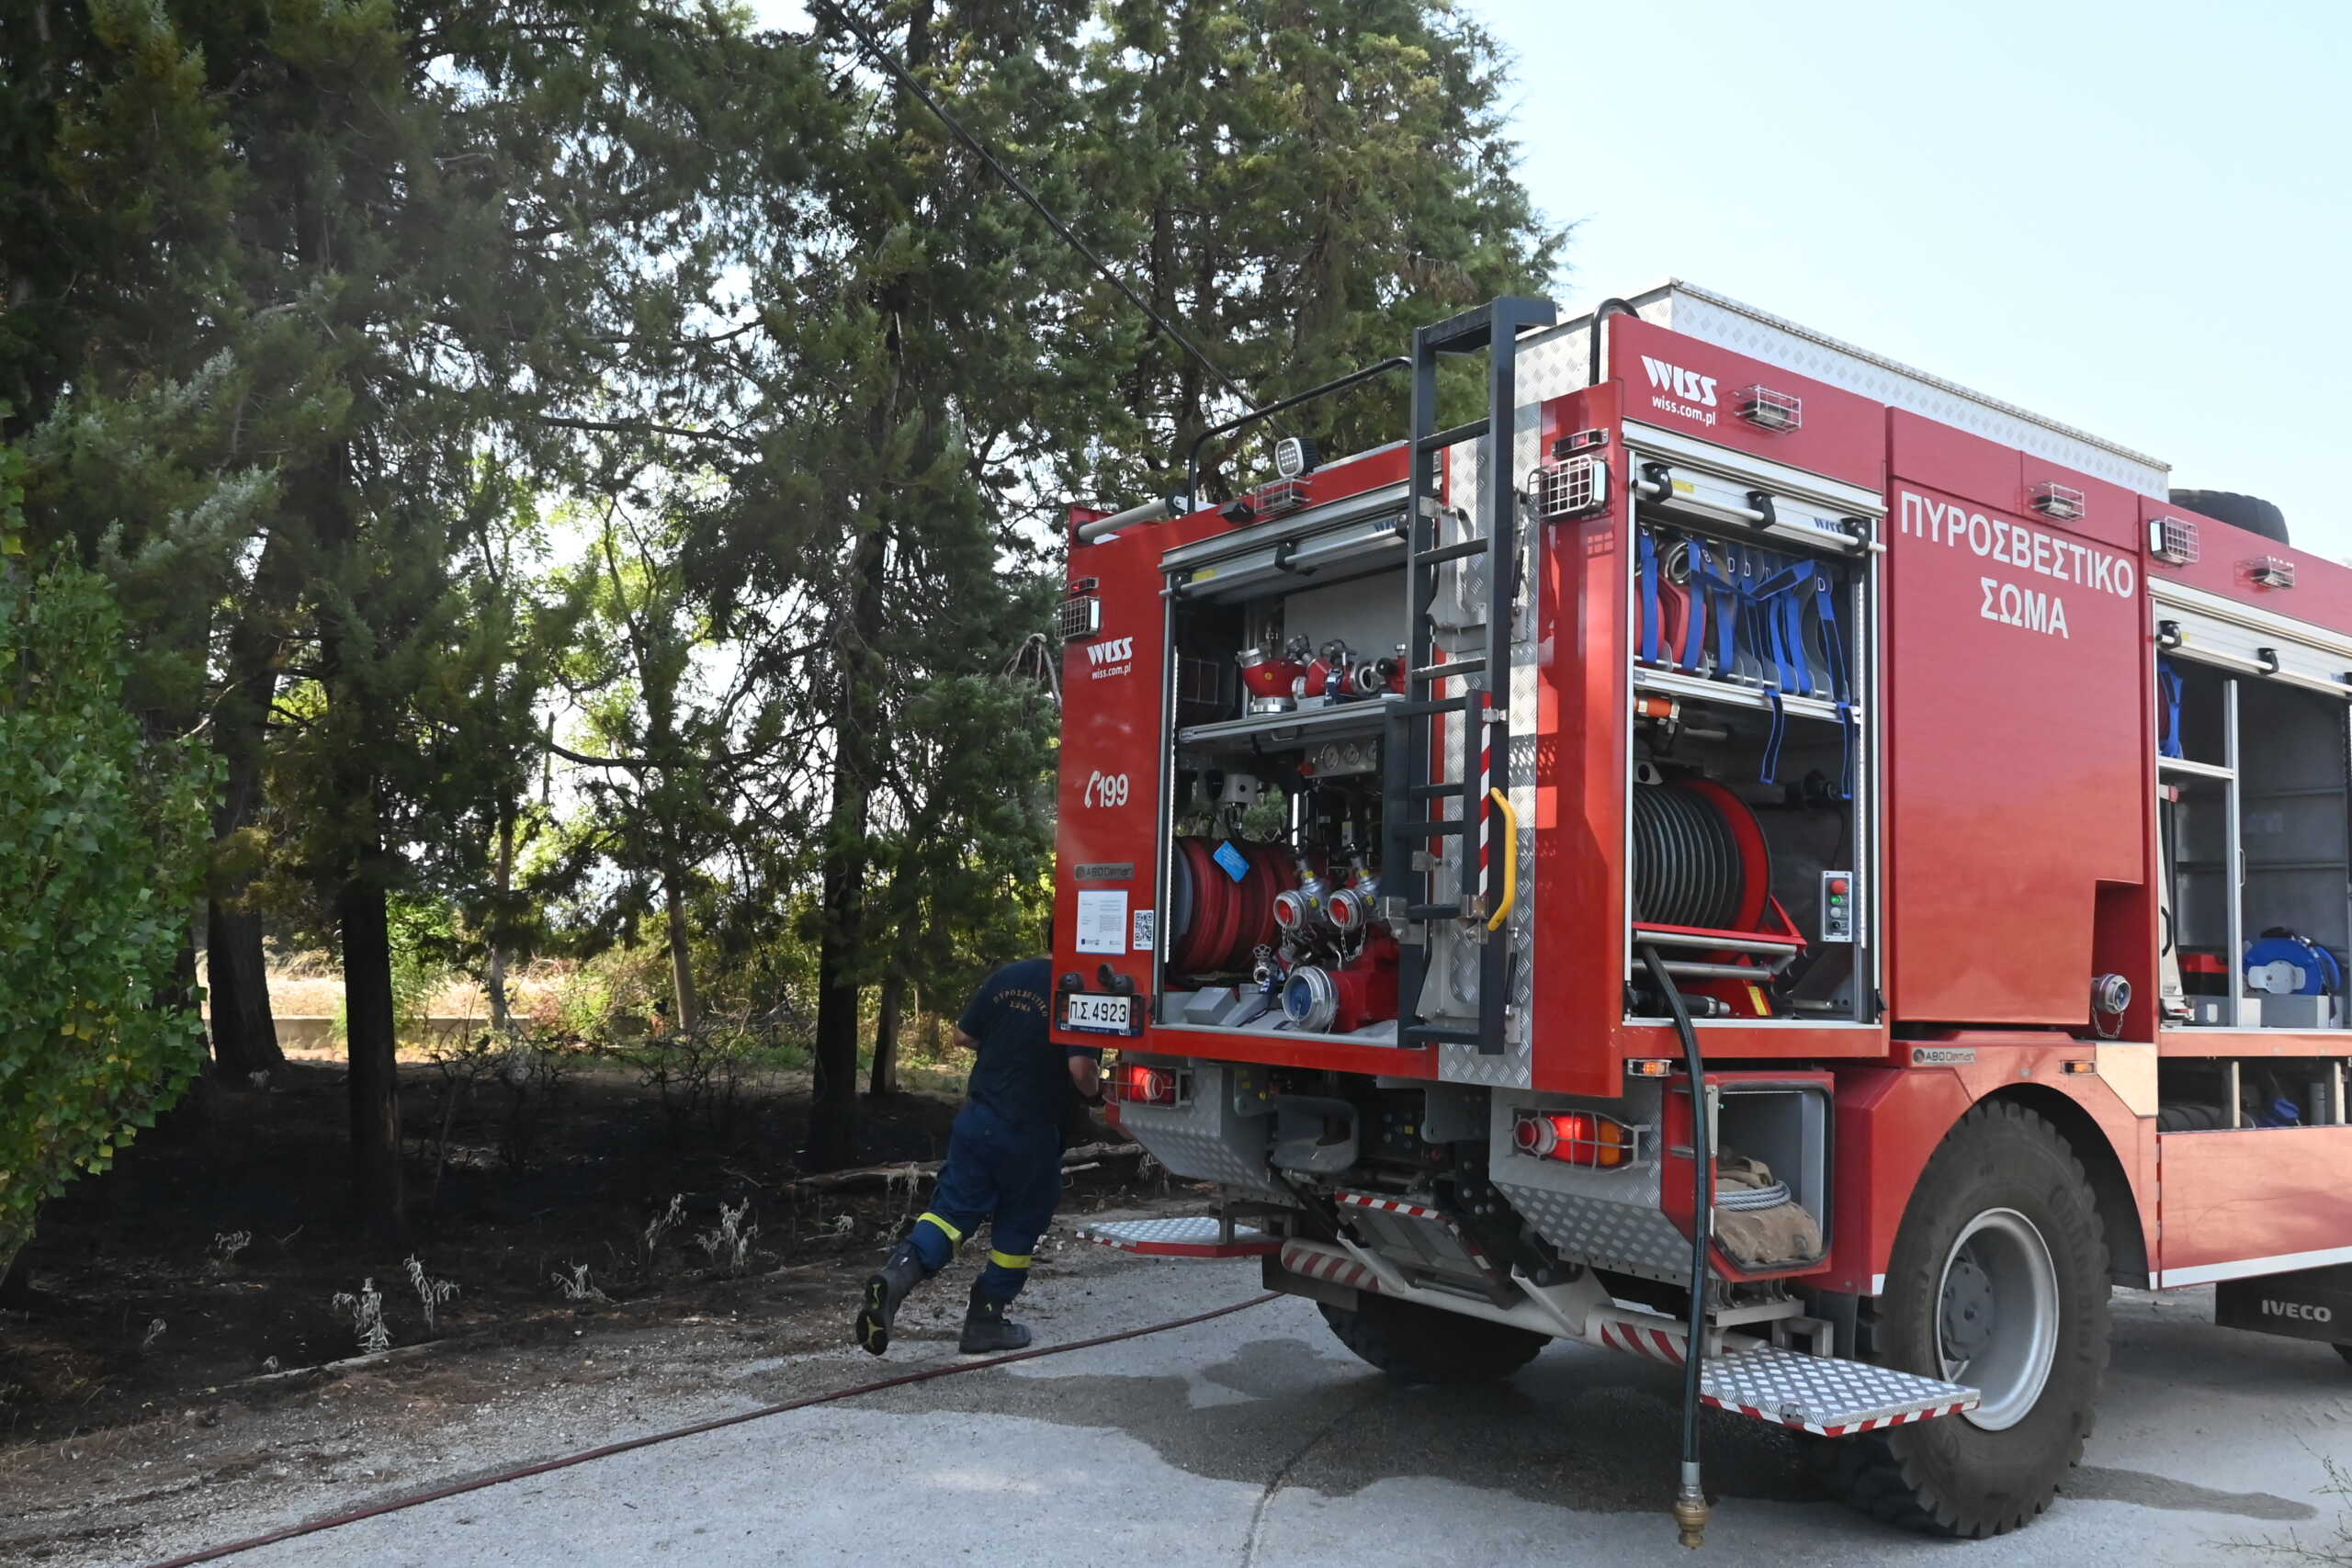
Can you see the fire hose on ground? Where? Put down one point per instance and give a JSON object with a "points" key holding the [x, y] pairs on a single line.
{"points": [[925, 1374]]}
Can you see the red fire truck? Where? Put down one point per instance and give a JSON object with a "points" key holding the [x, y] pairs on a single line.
{"points": [[1744, 853]]}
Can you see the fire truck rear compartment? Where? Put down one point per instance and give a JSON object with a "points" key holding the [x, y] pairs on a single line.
{"points": [[1684, 753]]}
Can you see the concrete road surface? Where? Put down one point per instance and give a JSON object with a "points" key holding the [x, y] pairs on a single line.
{"points": [[1255, 1440]]}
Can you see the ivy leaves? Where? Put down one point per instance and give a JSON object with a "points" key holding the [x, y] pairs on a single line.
{"points": [[102, 836]]}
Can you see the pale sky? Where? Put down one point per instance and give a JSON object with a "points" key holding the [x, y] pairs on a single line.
{"points": [[2133, 219]]}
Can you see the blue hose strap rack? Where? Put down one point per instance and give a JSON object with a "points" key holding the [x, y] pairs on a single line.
{"points": [[1775, 624]]}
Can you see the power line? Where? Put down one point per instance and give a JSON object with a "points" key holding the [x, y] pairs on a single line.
{"points": [[889, 63]]}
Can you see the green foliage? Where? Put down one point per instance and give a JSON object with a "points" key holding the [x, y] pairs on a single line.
{"points": [[589, 466], [99, 871]]}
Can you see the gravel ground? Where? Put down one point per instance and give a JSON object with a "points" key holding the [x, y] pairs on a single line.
{"points": [[1252, 1439]]}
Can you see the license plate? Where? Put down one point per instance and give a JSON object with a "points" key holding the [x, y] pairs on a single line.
{"points": [[1107, 1015]]}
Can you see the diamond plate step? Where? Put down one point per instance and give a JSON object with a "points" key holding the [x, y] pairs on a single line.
{"points": [[1826, 1395], [1190, 1235]]}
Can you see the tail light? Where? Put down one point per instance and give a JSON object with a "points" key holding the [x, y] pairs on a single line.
{"points": [[1136, 1084], [1578, 1137]]}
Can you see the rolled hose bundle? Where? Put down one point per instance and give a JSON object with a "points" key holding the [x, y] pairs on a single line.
{"points": [[1214, 922]]}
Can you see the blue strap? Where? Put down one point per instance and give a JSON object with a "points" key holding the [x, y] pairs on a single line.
{"points": [[1845, 749], [1649, 596], [1833, 644], [1715, 573], [2168, 686], [1694, 614], [1768, 772]]}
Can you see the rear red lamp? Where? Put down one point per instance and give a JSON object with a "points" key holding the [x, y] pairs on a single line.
{"points": [[1139, 1085], [1578, 1137]]}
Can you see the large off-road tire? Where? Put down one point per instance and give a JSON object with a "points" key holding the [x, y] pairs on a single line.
{"points": [[1998, 1280], [1416, 1344], [2250, 513]]}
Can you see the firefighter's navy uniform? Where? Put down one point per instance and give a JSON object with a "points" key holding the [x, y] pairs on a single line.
{"points": [[1003, 1162]]}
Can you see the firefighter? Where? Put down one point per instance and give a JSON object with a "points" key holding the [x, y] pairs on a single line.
{"points": [[1005, 1158]]}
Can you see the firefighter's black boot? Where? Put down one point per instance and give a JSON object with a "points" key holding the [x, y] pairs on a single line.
{"points": [[985, 1329], [885, 1288]]}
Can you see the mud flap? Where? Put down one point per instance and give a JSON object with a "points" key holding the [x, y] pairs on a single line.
{"points": [[2315, 1303]]}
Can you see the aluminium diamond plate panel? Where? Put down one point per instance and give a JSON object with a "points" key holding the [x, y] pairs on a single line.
{"points": [[1827, 1395], [1207, 1139], [1623, 1236], [1188, 1235]]}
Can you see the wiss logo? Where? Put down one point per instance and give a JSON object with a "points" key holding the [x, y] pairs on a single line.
{"points": [[1115, 656], [1677, 382]]}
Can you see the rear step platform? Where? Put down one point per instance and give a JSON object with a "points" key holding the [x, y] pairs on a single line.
{"points": [[1827, 1395], [1189, 1235]]}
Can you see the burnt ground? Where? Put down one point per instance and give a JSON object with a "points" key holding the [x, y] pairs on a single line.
{"points": [[137, 1314]]}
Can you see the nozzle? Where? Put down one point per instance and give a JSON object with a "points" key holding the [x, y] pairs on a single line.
{"points": [[1690, 1516]]}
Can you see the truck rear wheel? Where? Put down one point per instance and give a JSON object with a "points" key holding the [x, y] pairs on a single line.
{"points": [[1998, 1280], [1416, 1344]]}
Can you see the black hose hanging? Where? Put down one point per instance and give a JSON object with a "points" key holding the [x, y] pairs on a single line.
{"points": [[1689, 1498]]}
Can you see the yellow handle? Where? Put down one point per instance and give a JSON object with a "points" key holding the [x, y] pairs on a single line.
{"points": [[1510, 859]]}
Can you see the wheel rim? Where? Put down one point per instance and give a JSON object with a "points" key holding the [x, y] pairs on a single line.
{"points": [[1997, 1316]]}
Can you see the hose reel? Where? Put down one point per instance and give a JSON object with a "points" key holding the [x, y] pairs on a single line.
{"points": [[1699, 858]]}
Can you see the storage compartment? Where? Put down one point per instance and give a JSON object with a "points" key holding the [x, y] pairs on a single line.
{"points": [[2210, 1095], [1771, 1153], [2254, 817], [1747, 863], [1273, 908]]}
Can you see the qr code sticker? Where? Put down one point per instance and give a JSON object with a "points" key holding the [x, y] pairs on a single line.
{"points": [[1147, 928]]}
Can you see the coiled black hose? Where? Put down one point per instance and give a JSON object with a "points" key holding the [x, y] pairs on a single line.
{"points": [[1687, 864]]}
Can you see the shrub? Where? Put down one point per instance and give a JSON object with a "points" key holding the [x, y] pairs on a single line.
{"points": [[101, 865]]}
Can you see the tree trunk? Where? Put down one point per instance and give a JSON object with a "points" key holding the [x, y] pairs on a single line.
{"points": [[833, 1103], [375, 1182], [885, 1036], [494, 974], [244, 1032], [17, 1276], [681, 959]]}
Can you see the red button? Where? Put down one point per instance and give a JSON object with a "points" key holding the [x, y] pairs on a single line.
{"points": [[1837, 884]]}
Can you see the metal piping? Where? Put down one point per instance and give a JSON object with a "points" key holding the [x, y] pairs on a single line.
{"points": [[1158, 510], [1592, 345]]}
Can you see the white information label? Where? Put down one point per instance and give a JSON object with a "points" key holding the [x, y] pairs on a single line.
{"points": [[1101, 920], [1147, 928]]}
